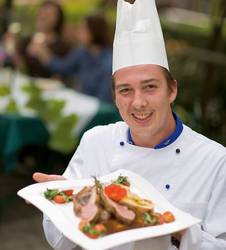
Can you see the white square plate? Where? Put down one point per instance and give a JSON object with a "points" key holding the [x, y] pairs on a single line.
{"points": [[63, 217]]}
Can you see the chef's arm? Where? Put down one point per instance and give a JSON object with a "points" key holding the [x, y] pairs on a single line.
{"points": [[212, 234], [196, 239]]}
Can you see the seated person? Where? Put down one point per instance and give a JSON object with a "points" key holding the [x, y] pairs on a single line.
{"points": [[91, 62], [48, 30]]}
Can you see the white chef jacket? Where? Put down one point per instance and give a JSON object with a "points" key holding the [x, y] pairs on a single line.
{"points": [[190, 173]]}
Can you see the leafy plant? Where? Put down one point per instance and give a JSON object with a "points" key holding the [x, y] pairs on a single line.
{"points": [[4, 90], [11, 107], [50, 111]]}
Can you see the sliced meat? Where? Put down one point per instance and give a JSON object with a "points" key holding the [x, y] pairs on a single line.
{"points": [[81, 199], [104, 215], [122, 213], [86, 204]]}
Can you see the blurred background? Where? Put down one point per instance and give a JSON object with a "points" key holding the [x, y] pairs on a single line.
{"points": [[55, 83]]}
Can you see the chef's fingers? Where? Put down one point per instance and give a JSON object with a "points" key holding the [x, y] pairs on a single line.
{"points": [[40, 177]]}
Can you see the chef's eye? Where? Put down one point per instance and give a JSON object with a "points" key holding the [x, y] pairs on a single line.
{"points": [[125, 91], [150, 87]]}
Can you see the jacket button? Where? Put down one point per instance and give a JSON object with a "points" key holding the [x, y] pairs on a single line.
{"points": [[178, 151], [167, 186], [122, 143]]}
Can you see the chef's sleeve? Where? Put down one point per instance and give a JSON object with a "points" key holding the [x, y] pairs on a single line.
{"points": [[211, 234]]}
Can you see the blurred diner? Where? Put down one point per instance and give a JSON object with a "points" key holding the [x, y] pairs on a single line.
{"points": [[48, 29], [90, 62]]}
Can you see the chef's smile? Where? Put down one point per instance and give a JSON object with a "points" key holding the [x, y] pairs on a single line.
{"points": [[143, 117]]}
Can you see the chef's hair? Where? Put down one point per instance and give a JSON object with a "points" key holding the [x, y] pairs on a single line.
{"points": [[169, 79]]}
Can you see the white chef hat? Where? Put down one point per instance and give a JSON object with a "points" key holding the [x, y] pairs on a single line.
{"points": [[138, 35]]}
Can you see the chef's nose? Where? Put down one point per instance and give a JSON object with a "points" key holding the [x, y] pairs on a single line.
{"points": [[139, 100]]}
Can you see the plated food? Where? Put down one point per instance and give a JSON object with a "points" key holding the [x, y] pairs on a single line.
{"points": [[88, 233], [111, 207]]}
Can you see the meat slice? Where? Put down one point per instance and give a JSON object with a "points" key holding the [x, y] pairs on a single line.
{"points": [[86, 204], [122, 213]]}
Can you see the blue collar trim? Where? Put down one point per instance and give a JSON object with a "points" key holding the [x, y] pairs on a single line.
{"points": [[167, 141]]}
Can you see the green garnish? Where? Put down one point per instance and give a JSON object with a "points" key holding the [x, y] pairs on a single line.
{"points": [[150, 219], [88, 228], [123, 180], [51, 193], [98, 184], [66, 197]]}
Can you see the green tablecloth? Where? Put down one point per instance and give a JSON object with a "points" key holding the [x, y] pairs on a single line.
{"points": [[18, 131]]}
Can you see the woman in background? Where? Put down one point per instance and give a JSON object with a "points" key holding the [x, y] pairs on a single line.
{"points": [[49, 24], [91, 62]]}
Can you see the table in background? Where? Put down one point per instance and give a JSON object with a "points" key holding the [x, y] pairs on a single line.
{"points": [[18, 131]]}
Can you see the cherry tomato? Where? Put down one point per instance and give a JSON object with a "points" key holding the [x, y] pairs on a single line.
{"points": [[160, 218], [168, 217], [115, 192], [100, 228], [92, 236], [68, 192], [59, 199]]}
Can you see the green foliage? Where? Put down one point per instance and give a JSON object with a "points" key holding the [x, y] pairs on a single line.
{"points": [[11, 107], [62, 138], [190, 62], [75, 10], [4, 90], [50, 111], [197, 36]]}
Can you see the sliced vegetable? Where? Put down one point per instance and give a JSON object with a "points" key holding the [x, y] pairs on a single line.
{"points": [[94, 231], [59, 199], [115, 192], [168, 217], [160, 218], [68, 192], [50, 193], [150, 219], [59, 196], [100, 228]]}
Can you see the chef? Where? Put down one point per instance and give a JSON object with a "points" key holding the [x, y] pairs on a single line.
{"points": [[186, 167]]}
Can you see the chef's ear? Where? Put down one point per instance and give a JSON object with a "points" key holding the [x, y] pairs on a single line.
{"points": [[130, 1]]}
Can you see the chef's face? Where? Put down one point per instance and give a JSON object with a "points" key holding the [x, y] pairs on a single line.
{"points": [[144, 100]]}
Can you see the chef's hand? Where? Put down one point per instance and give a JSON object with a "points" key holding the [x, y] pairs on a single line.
{"points": [[41, 177]]}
